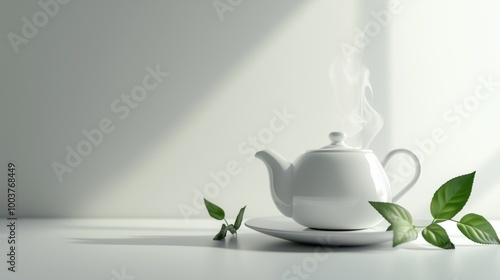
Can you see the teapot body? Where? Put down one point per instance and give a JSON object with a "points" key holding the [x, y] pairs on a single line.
{"points": [[331, 190]]}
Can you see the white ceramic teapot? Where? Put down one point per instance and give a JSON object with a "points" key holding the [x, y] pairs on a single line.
{"points": [[329, 188]]}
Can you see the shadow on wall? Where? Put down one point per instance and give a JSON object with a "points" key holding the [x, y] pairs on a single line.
{"points": [[94, 60]]}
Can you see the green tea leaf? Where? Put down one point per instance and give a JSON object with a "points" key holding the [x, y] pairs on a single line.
{"points": [[222, 233], [403, 232], [239, 218], [400, 220], [231, 229], [478, 229], [447, 201], [437, 236], [451, 197], [392, 212], [215, 211]]}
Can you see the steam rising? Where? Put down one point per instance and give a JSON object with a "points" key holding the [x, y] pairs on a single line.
{"points": [[353, 113]]}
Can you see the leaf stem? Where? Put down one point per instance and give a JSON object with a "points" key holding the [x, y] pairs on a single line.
{"points": [[226, 222], [440, 220]]}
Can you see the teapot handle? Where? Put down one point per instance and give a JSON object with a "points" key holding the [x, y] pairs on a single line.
{"points": [[418, 168]]}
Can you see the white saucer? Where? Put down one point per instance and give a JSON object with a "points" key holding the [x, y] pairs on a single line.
{"points": [[286, 228]]}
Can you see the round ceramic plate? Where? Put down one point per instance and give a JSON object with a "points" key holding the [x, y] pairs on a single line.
{"points": [[286, 228]]}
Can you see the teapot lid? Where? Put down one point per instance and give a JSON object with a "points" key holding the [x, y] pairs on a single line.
{"points": [[338, 144]]}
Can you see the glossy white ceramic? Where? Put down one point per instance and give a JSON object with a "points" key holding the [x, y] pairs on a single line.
{"points": [[286, 228], [329, 188]]}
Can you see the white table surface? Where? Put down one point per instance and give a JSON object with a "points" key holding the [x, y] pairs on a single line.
{"points": [[125, 249]]}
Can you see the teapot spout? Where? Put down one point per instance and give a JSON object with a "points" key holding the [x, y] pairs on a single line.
{"points": [[280, 174]]}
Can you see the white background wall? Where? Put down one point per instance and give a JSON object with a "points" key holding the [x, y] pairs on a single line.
{"points": [[439, 49], [226, 78]]}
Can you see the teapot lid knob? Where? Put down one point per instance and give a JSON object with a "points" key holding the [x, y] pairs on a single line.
{"points": [[337, 139], [338, 144]]}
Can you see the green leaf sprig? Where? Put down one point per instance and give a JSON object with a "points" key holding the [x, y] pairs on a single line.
{"points": [[447, 201], [217, 213]]}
